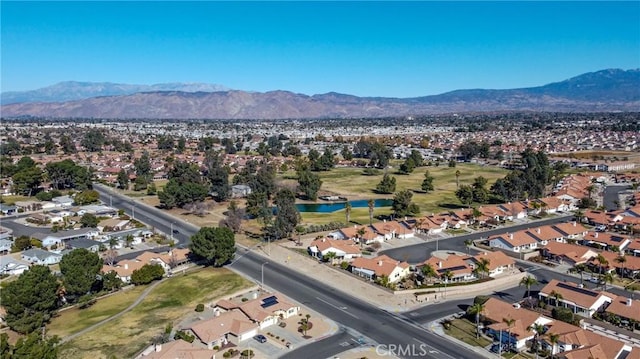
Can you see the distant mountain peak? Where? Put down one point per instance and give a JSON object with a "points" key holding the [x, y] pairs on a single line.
{"points": [[79, 90]]}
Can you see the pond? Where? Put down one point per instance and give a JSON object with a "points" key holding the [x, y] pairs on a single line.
{"points": [[336, 206]]}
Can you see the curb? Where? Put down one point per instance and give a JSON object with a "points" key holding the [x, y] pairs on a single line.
{"points": [[435, 328]]}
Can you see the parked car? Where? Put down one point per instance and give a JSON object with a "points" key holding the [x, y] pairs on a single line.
{"points": [[260, 338]]}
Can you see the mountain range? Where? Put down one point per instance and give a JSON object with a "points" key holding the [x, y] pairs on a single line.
{"points": [[601, 91]]}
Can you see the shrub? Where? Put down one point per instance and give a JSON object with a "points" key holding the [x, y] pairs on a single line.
{"points": [[147, 274], [344, 265], [184, 336], [226, 355], [216, 347], [245, 299], [200, 307]]}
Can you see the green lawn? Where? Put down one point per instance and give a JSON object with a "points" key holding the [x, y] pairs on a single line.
{"points": [[168, 303], [73, 320], [350, 183], [464, 330]]}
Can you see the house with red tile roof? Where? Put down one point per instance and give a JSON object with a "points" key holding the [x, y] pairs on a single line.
{"points": [[565, 253], [498, 262], [392, 229], [517, 242], [571, 230], [631, 264], [604, 240], [625, 308], [458, 266], [515, 210], [264, 310], [176, 349], [344, 250], [368, 237], [377, 267], [581, 301], [227, 327]]}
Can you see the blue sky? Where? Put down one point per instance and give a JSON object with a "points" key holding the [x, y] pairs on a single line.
{"points": [[361, 48]]}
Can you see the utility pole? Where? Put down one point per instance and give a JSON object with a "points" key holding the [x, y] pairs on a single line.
{"points": [[171, 232], [262, 273]]}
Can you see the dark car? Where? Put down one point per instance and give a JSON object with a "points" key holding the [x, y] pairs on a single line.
{"points": [[261, 338], [175, 231]]}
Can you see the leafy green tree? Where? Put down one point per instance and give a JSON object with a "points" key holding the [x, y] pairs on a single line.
{"points": [[123, 179], [27, 181], [402, 204], [86, 197], [111, 282], [480, 193], [387, 184], [93, 140], [21, 243], [67, 145], [465, 194], [309, 183], [216, 245], [346, 153], [218, 176], [80, 269], [142, 166], [147, 274], [427, 183], [32, 346], [287, 216], [89, 220], [66, 174], [258, 206], [30, 300]]}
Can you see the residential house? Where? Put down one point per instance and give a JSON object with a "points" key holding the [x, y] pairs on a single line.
{"points": [[516, 242], [6, 233], [98, 210], [368, 237], [392, 229], [373, 268], [626, 309], [604, 240], [552, 205], [344, 250], [457, 265], [498, 262], [8, 210], [515, 210], [12, 266], [113, 225], [545, 234], [57, 238], [631, 265], [228, 327], [495, 311], [41, 257], [5, 246], [29, 206], [84, 243], [565, 253], [432, 224], [168, 260], [176, 349], [633, 248], [123, 269], [265, 310], [571, 231], [581, 301], [63, 201], [601, 218]]}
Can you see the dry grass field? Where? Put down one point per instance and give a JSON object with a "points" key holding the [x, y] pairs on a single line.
{"points": [[169, 302]]}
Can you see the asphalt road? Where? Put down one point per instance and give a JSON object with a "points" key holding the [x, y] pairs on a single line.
{"points": [[420, 252], [610, 196]]}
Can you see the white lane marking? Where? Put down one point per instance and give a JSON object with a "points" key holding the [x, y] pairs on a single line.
{"points": [[338, 308]]}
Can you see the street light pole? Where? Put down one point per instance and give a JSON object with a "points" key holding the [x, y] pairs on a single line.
{"points": [[171, 232], [262, 273]]}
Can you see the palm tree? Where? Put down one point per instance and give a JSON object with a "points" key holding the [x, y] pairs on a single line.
{"points": [[553, 339], [579, 215], [112, 243], [581, 268], [602, 261], [330, 257], [477, 309], [590, 189], [483, 266], [360, 233], [509, 322], [458, 179], [347, 211], [371, 204], [528, 281], [468, 243], [556, 296], [539, 330], [607, 278], [622, 260]]}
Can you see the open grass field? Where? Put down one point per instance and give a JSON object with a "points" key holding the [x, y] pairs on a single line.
{"points": [[73, 320], [167, 303], [351, 183], [464, 330]]}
